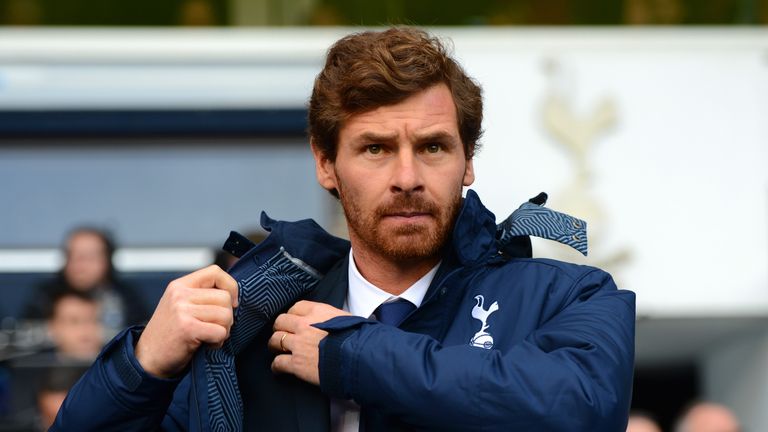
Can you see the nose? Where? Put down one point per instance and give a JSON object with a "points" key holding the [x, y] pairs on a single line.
{"points": [[407, 176]]}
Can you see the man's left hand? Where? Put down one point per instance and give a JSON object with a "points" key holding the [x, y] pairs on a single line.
{"points": [[297, 341]]}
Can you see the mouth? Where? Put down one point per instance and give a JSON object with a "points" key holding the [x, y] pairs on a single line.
{"points": [[407, 216]]}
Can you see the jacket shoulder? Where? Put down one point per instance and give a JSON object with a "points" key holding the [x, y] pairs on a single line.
{"points": [[563, 282], [562, 269]]}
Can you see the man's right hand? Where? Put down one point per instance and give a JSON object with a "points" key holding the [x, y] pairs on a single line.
{"points": [[194, 309]]}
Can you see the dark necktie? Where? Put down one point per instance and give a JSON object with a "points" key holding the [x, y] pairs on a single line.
{"points": [[393, 312]]}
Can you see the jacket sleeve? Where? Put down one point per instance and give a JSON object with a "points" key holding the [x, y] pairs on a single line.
{"points": [[574, 373], [115, 394]]}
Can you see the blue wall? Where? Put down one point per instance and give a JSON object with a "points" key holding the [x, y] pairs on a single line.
{"points": [[154, 192]]}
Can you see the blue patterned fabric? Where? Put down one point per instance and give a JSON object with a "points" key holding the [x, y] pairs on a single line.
{"points": [[264, 289], [280, 281], [536, 220]]}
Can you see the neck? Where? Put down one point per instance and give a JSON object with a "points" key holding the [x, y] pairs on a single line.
{"points": [[394, 277]]}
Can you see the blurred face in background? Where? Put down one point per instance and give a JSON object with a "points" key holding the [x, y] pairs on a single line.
{"points": [[710, 417], [87, 261], [75, 328]]}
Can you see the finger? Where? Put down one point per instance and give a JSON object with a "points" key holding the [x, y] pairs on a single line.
{"points": [[210, 296], [212, 277], [279, 341], [314, 312], [302, 307], [282, 364], [288, 323], [209, 333], [221, 315], [274, 341]]}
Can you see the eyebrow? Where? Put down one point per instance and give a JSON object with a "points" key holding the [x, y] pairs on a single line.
{"points": [[376, 137], [440, 135]]}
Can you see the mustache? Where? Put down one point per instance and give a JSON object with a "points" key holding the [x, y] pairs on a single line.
{"points": [[408, 204]]}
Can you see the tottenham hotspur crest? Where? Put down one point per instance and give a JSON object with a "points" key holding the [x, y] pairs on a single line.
{"points": [[483, 339]]}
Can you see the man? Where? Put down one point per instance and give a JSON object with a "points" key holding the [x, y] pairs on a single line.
{"points": [[462, 336], [39, 381]]}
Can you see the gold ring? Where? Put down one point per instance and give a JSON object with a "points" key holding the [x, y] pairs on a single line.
{"points": [[281, 342]]}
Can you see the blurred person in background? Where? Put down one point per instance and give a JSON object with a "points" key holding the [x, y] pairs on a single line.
{"points": [[89, 269], [74, 326], [52, 392], [642, 422], [708, 417], [40, 381]]}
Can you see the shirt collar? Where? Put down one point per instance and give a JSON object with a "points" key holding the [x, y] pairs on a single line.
{"points": [[363, 297]]}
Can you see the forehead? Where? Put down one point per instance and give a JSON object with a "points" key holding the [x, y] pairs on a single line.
{"points": [[70, 304], [429, 110], [85, 239]]}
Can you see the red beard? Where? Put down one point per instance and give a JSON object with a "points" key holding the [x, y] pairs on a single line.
{"points": [[405, 241]]}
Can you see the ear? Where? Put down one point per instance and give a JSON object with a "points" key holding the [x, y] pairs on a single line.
{"points": [[469, 173], [325, 169]]}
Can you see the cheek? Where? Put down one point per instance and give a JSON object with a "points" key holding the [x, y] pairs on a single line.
{"points": [[364, 184]]}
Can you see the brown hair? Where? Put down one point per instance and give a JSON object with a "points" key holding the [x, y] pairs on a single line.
{"points": [[364, 71]]}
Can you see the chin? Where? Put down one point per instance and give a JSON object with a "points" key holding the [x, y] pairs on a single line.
{"points": [[411, 247]]}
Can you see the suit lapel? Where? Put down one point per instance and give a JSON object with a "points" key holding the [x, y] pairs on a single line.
{"points": [[313, 412], [333, 288]]}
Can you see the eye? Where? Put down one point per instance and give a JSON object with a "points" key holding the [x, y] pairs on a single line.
{"points": [[433, 147], [373, 148]]}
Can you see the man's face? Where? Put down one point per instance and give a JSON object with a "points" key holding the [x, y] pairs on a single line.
{"points": [[399, 171], [75, 328], [87, 262]]}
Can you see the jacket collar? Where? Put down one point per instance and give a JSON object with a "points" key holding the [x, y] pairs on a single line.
{"points": [[473, 241], [474, 234]]}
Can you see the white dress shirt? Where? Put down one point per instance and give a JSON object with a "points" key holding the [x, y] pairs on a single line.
{"points": [[362, 299]]}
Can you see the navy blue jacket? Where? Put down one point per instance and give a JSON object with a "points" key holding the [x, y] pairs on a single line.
{"points": [[499, 343]]}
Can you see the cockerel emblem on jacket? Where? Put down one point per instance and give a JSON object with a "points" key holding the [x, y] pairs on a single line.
{"points": [[483, 339]]}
